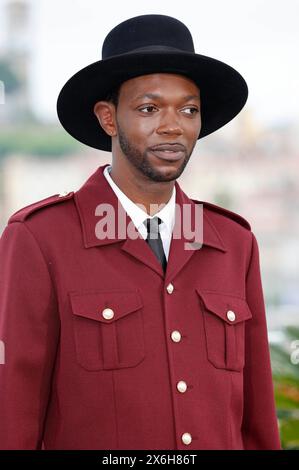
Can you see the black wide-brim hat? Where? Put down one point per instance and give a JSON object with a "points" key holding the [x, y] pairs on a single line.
{"points": [[143, 45]]}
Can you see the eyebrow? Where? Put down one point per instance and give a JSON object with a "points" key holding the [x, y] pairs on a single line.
{"points": [[155, 96]]}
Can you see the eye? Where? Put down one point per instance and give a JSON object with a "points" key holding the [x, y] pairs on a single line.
{"points": [[149, 106], [191, 108]]}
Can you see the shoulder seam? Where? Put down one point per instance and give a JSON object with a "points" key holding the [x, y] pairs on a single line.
{"points": [[226, 213], [22, 214]]}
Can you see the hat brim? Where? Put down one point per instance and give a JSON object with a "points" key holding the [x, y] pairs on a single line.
{"points": [[223, 90]]}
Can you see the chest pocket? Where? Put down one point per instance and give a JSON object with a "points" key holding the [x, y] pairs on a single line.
{"points": [[224, 319], [108, 329]]}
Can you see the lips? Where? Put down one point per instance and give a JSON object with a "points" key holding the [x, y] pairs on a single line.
{"points": [[170, 147], [169, 152]]}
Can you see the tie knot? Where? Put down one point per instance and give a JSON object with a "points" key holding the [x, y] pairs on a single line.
{"points": [[152, 224]]}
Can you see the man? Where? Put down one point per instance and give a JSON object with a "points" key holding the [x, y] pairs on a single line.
{"points": [[120, 330]]}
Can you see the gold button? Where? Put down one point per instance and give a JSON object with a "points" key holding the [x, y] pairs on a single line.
{"points": [[181, 386], [176, 336], [186, 438], [170, 288], [64, 193], [108, 313], [231, 315]]}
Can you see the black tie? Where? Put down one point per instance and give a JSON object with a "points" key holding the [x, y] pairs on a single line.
{"points": [[154, 239]]}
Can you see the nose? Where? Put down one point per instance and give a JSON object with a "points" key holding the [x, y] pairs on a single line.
{"points": [[169, 123]]}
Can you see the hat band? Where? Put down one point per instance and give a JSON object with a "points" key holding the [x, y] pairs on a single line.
{"points": [[152, 48], [159, 48]]}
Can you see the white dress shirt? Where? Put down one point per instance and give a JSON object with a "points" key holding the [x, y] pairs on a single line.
{"points": [[138, 215]]}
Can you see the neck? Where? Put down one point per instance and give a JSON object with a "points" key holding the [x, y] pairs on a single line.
{"points": [[140, 189]]}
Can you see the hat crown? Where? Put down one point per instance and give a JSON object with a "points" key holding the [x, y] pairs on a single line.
{"points": [[147, 32]]}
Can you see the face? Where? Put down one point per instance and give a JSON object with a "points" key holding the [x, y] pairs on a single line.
{"points": [[157, 123]]}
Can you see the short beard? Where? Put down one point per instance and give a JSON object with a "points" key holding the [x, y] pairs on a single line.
{"points": [[140, 159]]}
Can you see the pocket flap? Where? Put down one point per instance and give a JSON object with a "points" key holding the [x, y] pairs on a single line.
{"points": [[92, 304], [229, 308]]}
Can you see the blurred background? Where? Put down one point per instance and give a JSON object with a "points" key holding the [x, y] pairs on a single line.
{"points": [[250, 166]]}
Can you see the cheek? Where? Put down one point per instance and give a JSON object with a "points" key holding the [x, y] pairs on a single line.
{"points": [[194, 129], [139, 130], [136, 126], [145, 126]]}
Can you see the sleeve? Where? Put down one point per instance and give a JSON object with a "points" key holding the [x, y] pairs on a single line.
{"points": [[29, 331], [260, 424]]}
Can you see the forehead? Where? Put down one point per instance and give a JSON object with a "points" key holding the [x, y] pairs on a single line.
{"points": [[163, 83]]}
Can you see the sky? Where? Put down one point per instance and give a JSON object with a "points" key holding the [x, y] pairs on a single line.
{"points": [[260, 38]]}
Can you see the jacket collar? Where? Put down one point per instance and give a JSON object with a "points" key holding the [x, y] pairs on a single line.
{"points": [[96, 198]]}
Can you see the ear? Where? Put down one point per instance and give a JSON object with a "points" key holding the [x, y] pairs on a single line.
{"points": [[105, 112]]}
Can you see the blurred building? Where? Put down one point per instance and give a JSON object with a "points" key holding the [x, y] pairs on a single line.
{"points": [[15, 60]]}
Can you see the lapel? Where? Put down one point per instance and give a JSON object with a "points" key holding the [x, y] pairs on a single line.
{"points": [[101, 213]]}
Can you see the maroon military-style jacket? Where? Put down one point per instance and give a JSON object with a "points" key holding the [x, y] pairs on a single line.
{"points": [[75, 377]]}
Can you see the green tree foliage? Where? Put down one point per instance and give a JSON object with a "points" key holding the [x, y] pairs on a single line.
{"points": [[37, 140], [286, 386]]}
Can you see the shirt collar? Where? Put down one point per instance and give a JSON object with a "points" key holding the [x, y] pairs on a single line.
{"points": [[96, 190], [136, 213]]}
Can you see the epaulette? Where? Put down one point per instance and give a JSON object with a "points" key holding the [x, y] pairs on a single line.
{"points": [[23, 213], [232, 215]]}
